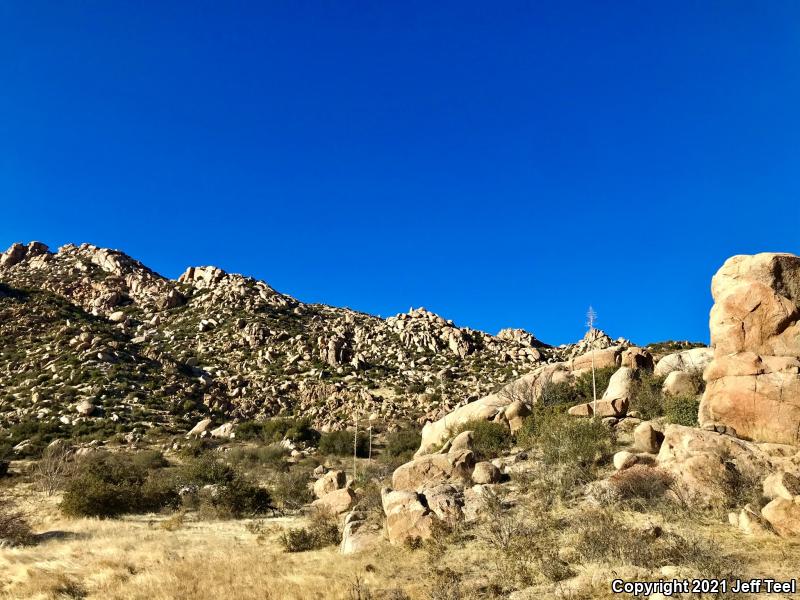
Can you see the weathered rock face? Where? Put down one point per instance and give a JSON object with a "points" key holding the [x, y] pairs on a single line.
{"points": [[784, 516], [337, 502], [331, 481], [358, 534], [434, 469], [435, 433], [695, 359], [753, 383], [710, 467], [407, 518]]}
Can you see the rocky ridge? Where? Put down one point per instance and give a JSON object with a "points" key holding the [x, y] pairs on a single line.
{"points": [[230, 345]]}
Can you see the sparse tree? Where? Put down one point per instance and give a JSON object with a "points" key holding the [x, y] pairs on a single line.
{"points": [[54, 468]]}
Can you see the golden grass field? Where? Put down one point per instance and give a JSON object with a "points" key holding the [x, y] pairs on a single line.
{"points": [[163, 557]]}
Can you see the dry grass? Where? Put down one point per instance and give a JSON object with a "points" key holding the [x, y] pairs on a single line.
{"points": [[162, 558], [181, 558]]}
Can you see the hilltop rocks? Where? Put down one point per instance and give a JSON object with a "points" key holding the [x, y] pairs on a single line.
{"points": [[693, 360], [17, 253], [753, 382]]}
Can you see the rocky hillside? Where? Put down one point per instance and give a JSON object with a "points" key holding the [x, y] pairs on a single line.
{"points": [[90, 336]]}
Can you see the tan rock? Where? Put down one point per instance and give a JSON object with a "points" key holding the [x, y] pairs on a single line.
{"points": [[226, 430], [437, 432], [624, 459], [784, 517], [709, 466], [515, 414], [358, 534], [605, 408], [781, 485], [446, 502], [693, 360], [434, 469], [329, 482], [337, 502], [407, 518], [646, 438], [680, 383], [200, 428], [637, 358], [753, 383], [608, 357], [486, 472]]}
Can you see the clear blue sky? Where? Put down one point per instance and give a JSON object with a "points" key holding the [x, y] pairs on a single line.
{"points": [[503, 164]]}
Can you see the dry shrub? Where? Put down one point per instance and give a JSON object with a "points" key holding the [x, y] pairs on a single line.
{"points": [[603, 537], [640, 481], [14, 527], [54, 469], [525, 550]]}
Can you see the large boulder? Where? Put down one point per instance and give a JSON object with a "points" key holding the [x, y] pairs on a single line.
{"points": [[337, 502], [358, 533], [637, 358], [680, 383], [329, 482], [753, 382], [693, 360], [437, 432], [711, 467], [607, 357], [784, 516], [434, 469], [407, 517]]}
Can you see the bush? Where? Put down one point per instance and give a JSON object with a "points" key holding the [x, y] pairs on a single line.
{"points": [[275, 430], [290, 490], [682, 410], [341, 443], [403, 443], [322, 531], [640, 481], [272, 455], [647, 396], [109, 485], [229, 494], [14, 528], [566, 439], [489, 439]]}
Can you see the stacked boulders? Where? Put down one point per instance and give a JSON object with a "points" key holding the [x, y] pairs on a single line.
{"points": [[753, 382]]}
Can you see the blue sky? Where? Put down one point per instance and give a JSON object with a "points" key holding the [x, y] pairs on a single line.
{"points": [[503, 164]]}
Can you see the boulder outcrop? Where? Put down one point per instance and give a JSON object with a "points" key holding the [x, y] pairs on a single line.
{"points": [[753, 382]]}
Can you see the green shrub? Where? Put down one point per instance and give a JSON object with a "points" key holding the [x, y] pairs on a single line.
{"points": [[566, 439], [489, 440], [272, 455], [682, 410], [109, 485], [322, 531], [230, 494], [402, 443], [341, 443], [277, 429], [290, 490], [647, 396]]}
